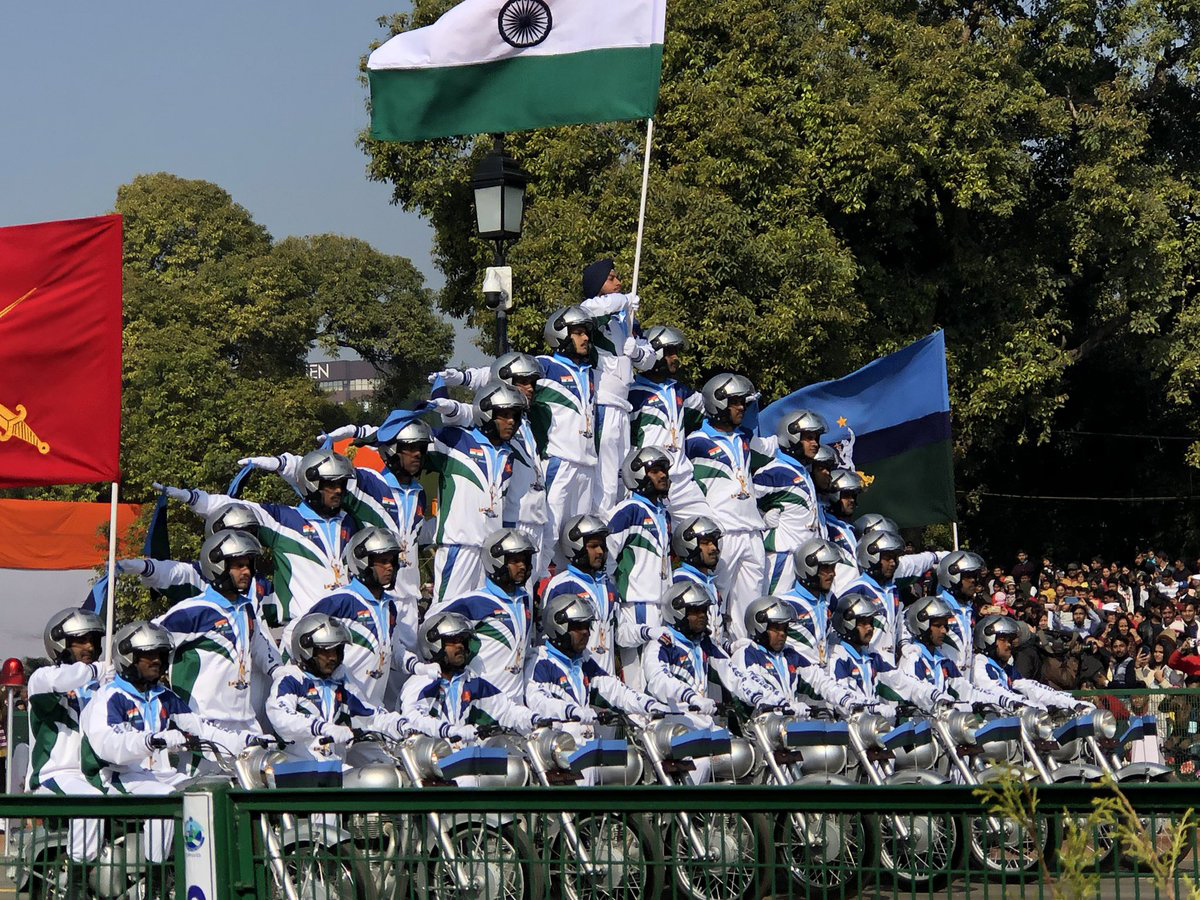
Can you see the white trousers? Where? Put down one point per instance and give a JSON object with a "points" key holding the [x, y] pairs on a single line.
{"points": [[741, 573], [613, 423], [83, 835], [569, 489], [457, 570], [781, 572]]}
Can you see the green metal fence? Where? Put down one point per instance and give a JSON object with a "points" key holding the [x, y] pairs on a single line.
{"points": [[75, 847], [698, 843], [1178, 716]]}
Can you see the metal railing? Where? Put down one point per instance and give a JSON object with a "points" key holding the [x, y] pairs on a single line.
{"points": [[1177, 712], [699, 843], [106, 846]]}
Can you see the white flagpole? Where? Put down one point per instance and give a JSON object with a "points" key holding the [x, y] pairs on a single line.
{"points": [[109, 603], [637, 253], [954, 530]]}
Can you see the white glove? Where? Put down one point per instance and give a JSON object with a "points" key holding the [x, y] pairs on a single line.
{"points": [[1085, 707], [634, 302], [630, 346], [340, 734], [658, 633], [174, 493], [338, 434], [704, 705], [452, 377], [584, 714], [172, 739], [266, 463], [428, 670], [132, 566], [103, 670], [464, 734], [444, 406]]}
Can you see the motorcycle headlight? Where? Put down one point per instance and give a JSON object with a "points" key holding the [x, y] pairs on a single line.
{"points": [[1037, 723], [962, 726], [554, 748], [871, 728], [427, 752], [1105, 724]]}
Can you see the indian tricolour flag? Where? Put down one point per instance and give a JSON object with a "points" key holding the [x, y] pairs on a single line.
{"points": [[508, 65]]}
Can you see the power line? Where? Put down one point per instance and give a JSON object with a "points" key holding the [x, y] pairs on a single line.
{"points": [[1140, 437]]}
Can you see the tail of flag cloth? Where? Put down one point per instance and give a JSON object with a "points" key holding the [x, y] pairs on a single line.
{"points": [[158, 546], [438, 390], [492, 66], [97, 597], [890, 421]]}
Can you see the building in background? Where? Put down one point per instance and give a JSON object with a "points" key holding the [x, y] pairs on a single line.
{"points": [[346, 379]]}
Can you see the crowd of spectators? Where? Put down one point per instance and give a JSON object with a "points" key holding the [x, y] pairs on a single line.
{"points": [[1101, 625]]}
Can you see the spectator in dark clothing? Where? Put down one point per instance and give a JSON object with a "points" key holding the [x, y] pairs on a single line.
{"points": [[1023, 567], [1122, 673], [1153, 625]]}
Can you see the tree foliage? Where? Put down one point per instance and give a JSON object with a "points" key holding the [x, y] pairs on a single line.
{"points": [[218, 322], [832, 180]]}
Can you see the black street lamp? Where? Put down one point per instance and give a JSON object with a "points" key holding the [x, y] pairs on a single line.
{"points": [[499, 186]]}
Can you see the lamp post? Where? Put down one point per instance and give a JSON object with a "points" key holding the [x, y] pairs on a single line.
{"points": [[499, 187]]}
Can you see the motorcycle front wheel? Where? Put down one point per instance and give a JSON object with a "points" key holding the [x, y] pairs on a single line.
{"points": [[497, 861], [626, 856], [738, 861]]}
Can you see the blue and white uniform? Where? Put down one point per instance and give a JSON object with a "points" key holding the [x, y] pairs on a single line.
{"points": [[501, 621], [926, 664], [57, 697], [887, 598], [563, 418], [169, 575], [723, 464], [873, 678], [770, 679], [613, 319], [117, 726], [381, 641], [787, 499], [661, 416], [219, 648], [437, 706], [809, 634], [600, 592], [1006, 681], [301, 705], [707, 581], [306, 546], [473, 501], [639, 562]]}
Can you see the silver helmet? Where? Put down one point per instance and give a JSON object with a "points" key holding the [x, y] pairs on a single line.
{"points": [[814, 553], [435, 630], [720, 389], [685, 540], [638, 462], [496, 395], [575, 533], [874, 544], [515, 365], [845, 481], [235, 516], [138, 637], [560, 323], [415, 432], [72, 622], [767, 611], [323, 465], [793, 425], [219, 548], [662, 337], [824, 457], [679, 597], [561, 612], [364, 544], [315, 630], [848, 609], [953, 566], [918, 614], [990, 627], [874, 522], [501, 544]]}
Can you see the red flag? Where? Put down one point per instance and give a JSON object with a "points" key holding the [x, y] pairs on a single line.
{"points": [[60, 352]]}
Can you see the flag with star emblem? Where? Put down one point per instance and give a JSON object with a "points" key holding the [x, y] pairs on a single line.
{"points": [[890, 421]]}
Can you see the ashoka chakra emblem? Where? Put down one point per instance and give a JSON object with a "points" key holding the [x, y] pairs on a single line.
{"points": [[525, 23]]}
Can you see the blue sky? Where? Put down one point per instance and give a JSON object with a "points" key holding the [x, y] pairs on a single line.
{"points": [[259, 97]]}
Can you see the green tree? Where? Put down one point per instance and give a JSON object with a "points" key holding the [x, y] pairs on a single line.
{"points": [[832, 180], [218, 322]]}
